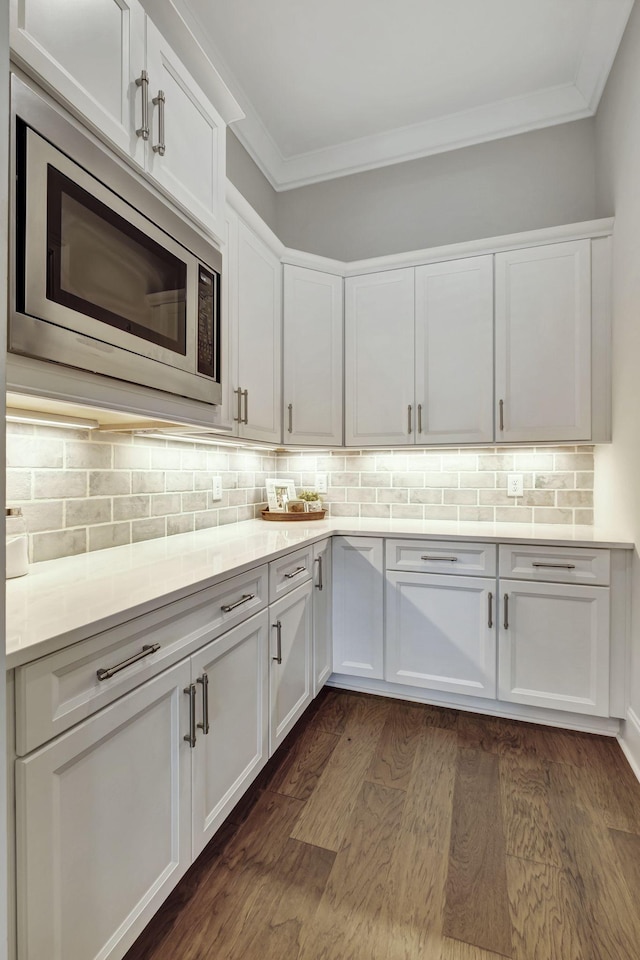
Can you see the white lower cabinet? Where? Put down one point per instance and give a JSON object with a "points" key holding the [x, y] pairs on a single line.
{"points": [[358, 603], [290, 682], [232, 728], [441, 632], [104, 825], [554, 646], [322, 588]]}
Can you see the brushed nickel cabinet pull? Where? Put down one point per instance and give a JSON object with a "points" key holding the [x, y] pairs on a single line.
{"points": [[228, 607], [143, 81], [246, 406], [108, 672], [506, 611], [294, 573], [159, 101], [553, 566], [440, 559], [319, 584], [409, 420], [501, 407], [238, 419], [290, 409], [191, 736], [278, 628], [419, 418], [204, 680], [490, 610]]}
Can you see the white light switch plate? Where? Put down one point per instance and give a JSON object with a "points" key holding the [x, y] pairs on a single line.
{"points": [[321, 482], [515, 485], [216, 488]]}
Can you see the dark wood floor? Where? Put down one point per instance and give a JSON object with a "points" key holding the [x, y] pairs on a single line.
{"points": [[384, 830]]}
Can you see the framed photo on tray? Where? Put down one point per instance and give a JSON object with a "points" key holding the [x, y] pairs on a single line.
{"points": [[279, 493]]}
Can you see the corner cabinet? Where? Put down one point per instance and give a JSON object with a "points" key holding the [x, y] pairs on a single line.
{"points": [[313, 330], [358, 606]]}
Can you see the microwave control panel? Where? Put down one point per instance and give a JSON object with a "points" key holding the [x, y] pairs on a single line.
{"points": [[207, 321]]}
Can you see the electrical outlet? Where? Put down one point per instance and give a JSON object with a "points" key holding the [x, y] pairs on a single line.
{"points": [[515, 486], [216, 488], [321, 482]]}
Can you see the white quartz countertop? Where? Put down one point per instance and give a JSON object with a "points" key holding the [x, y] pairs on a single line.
{"points": [[64, 601]]}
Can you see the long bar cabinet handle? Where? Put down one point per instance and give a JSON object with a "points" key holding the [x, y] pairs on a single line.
{"points": [[440, 559], [228, 607], [490, 624], [105, 673], [191, 736], [160, 147], [290, 409], [409, 420], [553, 566], [143, 81], [419, 418], [278, 628], [506, 611], [238, 419], [320, 583], [294, 573], [204, 680], [246, 406], [501, 408]]}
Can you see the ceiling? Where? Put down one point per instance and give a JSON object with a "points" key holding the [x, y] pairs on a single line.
{"points": [[338, 86]]}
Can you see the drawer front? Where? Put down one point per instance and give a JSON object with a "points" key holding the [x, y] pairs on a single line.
{"points": [[442, 556], [58, 691], [555, 564], [289, 572]]}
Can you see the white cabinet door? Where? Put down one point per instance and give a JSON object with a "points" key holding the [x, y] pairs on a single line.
{"points": [[454, 351], [312, 317], [358, 600], [543, 343], [191, 169], [232, 741], [379, 359], [290, 662], [554, 646], [322, 648], [89, 53], [104, 825], [259, 339], [441, 633]]}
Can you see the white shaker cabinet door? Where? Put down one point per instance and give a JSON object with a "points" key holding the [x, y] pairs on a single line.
{"points": [[441, 633], [186, 150], [379, 359], [104, 825], [90, 54], [232, 731], [312, 356], [543, 343], [554, 646], [454, 351], [290, 661], [322, 581], [358, 604]]}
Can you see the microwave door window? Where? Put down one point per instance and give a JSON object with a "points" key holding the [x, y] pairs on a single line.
{"points": [[104, 267]]}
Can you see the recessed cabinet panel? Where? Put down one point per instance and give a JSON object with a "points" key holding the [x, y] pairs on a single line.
{"points": [[441, 633], [379, 359], [322, 589], [454, 351], [543, 343], [554, 646], [312, 356], [358, 604], [290, 661]]}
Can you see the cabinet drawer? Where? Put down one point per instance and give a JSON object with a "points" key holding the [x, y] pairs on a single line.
{"points": [[56, 692], [555, 564], [442, 556], [289, 572]]}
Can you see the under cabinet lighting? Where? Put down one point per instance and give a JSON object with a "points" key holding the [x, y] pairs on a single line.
{"points": [[210, 441], [50, 419]]}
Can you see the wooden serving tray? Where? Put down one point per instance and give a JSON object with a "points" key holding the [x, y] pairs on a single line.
{"points": [[282, 517]]}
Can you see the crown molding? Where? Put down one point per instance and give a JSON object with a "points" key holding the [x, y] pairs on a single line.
{"points": [[601, 46]]}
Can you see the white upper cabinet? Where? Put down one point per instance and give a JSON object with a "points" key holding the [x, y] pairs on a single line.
{"points": [[312, 318], [186, 151], [379, 359], [90, 55], [543, 343], [454, 351], [108, 63]]}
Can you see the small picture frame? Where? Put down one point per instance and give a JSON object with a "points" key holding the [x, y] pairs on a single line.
{"points": [[279, 493]]}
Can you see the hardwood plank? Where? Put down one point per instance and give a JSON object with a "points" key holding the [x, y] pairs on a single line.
{"points": [[327, 812], [617, 790], [478, 733], [457, 950], [529, 830], [546, 921], [627, 847], [590, 863], [301, 768], [443, 717], [476, 906], [333, 712], [345, 926], [413, 908], [392, 762]]}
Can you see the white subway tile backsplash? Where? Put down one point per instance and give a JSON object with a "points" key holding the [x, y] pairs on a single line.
{"points": [[81, 455], [109, 482], [48, 484]]}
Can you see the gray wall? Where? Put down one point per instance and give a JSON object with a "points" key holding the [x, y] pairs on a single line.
{"points": [[251, 182], [617, 492], [537, 179]]}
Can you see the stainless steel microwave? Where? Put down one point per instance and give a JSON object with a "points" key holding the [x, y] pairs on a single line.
{"points": [[107, 278]]}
